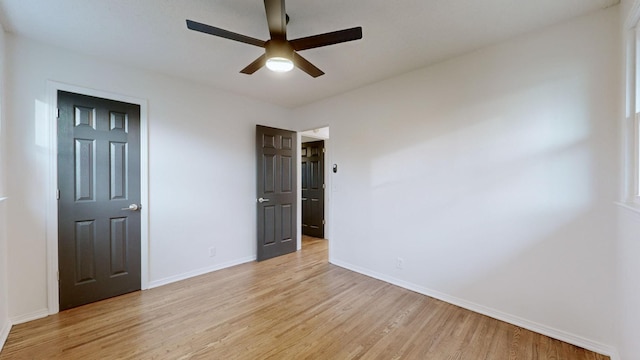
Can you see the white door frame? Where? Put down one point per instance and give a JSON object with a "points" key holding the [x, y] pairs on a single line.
{"points": [[53, 304]]}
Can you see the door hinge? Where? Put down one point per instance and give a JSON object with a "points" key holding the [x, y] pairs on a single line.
{"points": [[57, 113], [324, 150], [323, 222], [324, 186], [58, 275], [58, 194]]}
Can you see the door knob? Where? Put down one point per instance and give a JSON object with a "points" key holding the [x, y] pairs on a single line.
{"points": [[133, 207], [262, 200]]}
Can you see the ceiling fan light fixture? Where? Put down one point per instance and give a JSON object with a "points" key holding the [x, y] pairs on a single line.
{"points": [[279, 64]]}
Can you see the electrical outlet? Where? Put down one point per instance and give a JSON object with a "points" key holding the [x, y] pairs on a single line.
{"points": [[212, 251], [399, 263]]}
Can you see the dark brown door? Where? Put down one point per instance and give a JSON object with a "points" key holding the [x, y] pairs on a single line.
{"points": [[99, 197], [277, 191], [313, 189]]}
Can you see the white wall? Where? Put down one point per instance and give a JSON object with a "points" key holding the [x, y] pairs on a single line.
{"points": [[628, 315], [625, 7], [201, 167], [3, 191], [4, 307], [5, 324], [628, 252], [492, 176]]}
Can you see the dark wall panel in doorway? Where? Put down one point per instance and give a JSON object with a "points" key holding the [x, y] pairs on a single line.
{"points": [[312, 168]]}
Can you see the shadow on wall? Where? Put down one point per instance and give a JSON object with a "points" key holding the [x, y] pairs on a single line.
{"points": [[497, 190]]}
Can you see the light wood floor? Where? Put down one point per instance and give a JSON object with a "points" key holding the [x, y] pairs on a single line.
{"points": [[294, 307]]}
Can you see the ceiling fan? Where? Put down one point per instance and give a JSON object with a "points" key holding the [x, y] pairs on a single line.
{"points": [[281, 54]]}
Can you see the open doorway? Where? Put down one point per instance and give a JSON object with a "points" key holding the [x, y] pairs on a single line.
{"points": [[313, 184]]}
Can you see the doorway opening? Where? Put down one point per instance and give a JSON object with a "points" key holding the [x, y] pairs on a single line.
{"points": [[314, 184]]}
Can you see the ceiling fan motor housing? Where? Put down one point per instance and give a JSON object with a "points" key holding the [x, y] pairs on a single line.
{"points": [[277, 48]]}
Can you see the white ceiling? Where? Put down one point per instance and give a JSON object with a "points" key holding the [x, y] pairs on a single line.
{"points": [[398, 36]]}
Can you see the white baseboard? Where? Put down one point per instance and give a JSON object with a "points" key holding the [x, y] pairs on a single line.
{"points": [[4, 334], [198, 272], [493, 313], [30, 317]]}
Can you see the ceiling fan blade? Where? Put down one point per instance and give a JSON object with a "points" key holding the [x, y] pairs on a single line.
{"points": [[325, 39], [304, 65], [276, 18], [255, 66], [212, 30]]}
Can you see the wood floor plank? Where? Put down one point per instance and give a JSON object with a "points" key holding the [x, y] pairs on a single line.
{"points": [[297, 306]]}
